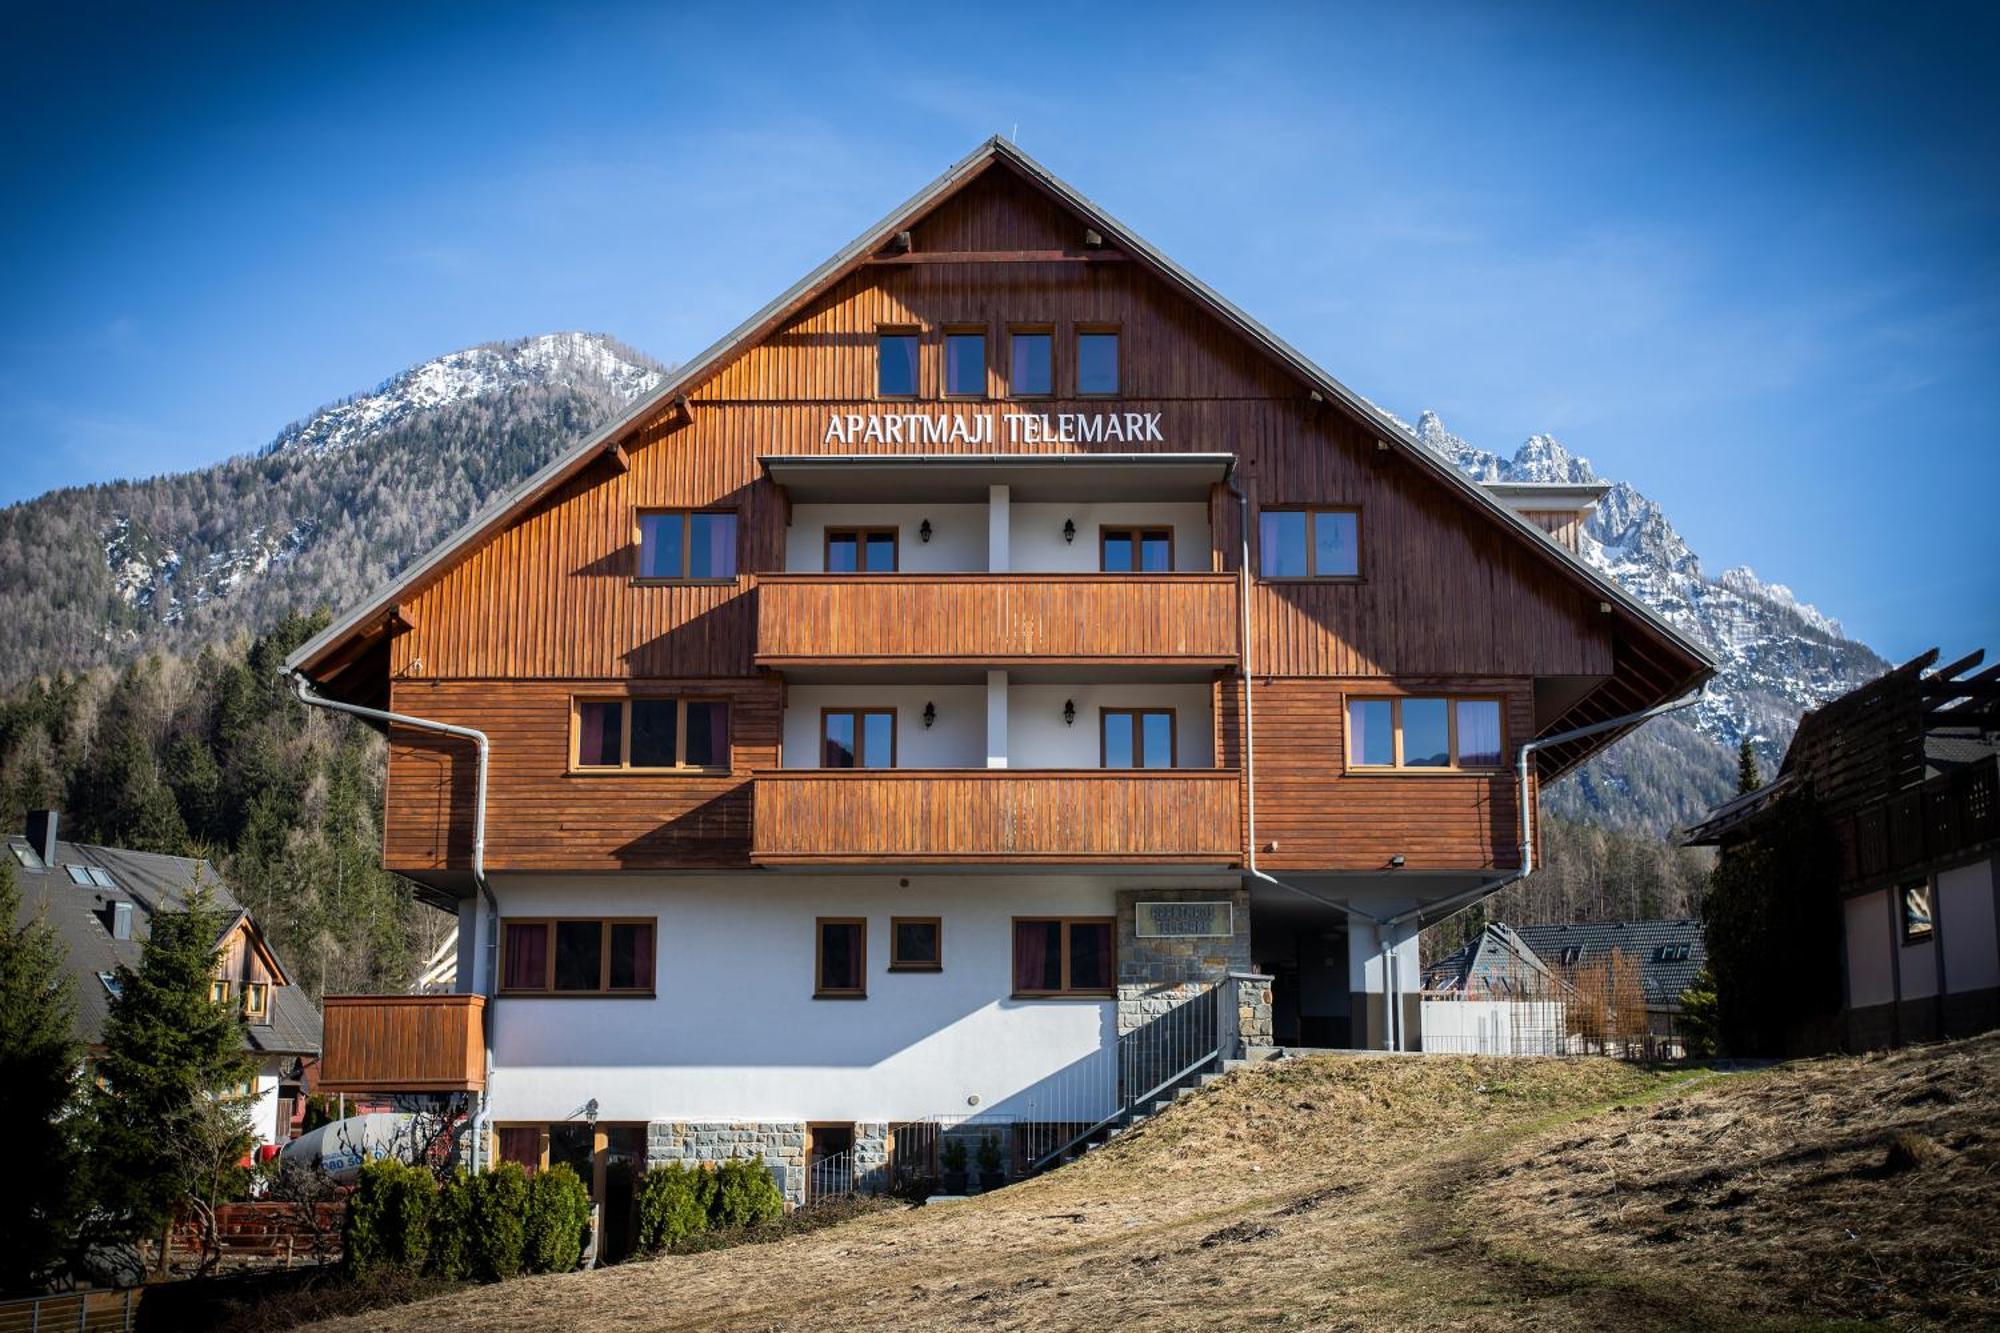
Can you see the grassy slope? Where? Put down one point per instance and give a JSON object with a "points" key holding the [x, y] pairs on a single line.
{"points": [[1440, 1193]]}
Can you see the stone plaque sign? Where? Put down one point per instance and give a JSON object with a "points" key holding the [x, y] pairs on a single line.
{"points": [[1182, 920]]}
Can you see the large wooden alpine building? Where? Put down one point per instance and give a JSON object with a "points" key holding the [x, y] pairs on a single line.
{"points": [[901, 650]]}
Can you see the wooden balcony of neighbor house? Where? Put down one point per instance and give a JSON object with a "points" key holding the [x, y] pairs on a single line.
{"points": [[950, 816], [402, 1043], [1185, 619]]}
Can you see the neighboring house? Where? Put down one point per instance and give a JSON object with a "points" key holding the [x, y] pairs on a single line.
{"points": [[1668, 955], [1493, 965], [101, 901], [892, 723], [1906, 769], [1494, 996]]}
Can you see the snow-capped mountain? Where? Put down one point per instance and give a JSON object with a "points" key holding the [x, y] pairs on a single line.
{"points": [[336, 503], [1777, 656], [552, 361]]}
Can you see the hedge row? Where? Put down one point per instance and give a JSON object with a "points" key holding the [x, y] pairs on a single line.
{"points": [[679, 1202], [489, 1227]]}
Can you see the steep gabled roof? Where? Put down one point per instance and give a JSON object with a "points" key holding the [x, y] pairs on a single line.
{"points": [[377, 611], [1656, 946]]}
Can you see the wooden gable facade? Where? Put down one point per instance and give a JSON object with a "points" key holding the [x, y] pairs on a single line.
{"points": [[1453, 595]]}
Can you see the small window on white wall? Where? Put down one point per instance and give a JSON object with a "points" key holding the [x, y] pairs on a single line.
{"points": [[1917, 920]]}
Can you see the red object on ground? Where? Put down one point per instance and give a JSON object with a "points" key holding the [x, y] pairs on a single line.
{"points": [[266, 1151]]}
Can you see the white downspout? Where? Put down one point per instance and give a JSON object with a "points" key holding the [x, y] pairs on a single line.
{"points": [[489, 987]]}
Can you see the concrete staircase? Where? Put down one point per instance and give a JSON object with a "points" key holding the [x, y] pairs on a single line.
{"points": [[1192, 1084]]}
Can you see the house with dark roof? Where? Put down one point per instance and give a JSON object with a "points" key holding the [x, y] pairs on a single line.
{"points": [[101, 902], [1668, 953], [1495, 964], [1906, 772]]}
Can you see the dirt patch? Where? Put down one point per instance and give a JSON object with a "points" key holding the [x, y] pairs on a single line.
{"points": [[1848, 1188]]}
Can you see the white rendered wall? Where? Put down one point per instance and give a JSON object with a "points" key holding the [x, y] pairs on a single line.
{"points": [[736, 1035], [1037, 544], [956, 740], [1965, 926], [1037, 737], [1869, 978], [957, 544], [264, 1109]]}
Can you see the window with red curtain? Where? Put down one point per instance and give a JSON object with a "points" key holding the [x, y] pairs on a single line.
{"points": [[527, 956], [1038, 956], [632, 955], [523, 1146]]}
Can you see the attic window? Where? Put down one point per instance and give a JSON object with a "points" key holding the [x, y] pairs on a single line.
{"points": [[78, 874], [121, 921], [1570, 953], [101, 878], [26, 856], [111, 984]]}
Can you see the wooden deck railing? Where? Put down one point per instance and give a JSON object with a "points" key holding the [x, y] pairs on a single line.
{"points": [[1055, 816], [996, 618], [1909, 832], [402, 1043]]}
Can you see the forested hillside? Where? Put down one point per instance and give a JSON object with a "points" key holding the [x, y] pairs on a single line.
{"points": [[211, 755]]}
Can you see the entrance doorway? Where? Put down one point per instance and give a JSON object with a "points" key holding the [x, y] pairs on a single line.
{"points": [[829, 1161], [1304, 949], [622, 1162]]}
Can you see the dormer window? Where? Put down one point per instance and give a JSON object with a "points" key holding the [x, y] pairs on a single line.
{"points": [[256, 1000], [121, 921]]}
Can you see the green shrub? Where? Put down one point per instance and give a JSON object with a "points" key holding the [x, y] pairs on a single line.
{"points": [[499, 1215], [673, 1204], [451, 1227], [745, 1194], [388, 1218], [558, 1216]]}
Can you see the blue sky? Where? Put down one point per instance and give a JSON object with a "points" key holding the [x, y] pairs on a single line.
{"points": [[1745, 257]]}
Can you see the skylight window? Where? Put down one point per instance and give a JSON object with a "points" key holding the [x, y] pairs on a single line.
{"points": [[101, 877], [78, 874], [111, 985], [27, 856]]}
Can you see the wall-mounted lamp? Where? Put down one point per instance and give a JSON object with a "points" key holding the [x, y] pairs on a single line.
{"points": [[924, 531], [1396, 861], [1069, 530], [1069, 712], [930, 715]]}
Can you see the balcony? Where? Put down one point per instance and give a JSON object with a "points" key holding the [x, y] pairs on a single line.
{"points": [[402, 1043], [996, 620], [956, 816]]}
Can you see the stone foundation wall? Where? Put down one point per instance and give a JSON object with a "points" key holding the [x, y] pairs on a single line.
{"points": [[781, 1143], [1253, 1009], [1155, 975]]}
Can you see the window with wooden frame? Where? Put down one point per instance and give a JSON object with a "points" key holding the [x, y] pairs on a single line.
{"points": [[1918, 921], [1135, 550], [218, 992], [896, 363], [840, 958], [861, 550], [1064, 955], [857, 737], [649, 735], [526, 1146], [1031, 362], [1096, 363], [256, 1000], [916, 944], [577, 955], [1425, 734], [965, 363], [1309, 543], [1136, 738], [686, 545]]}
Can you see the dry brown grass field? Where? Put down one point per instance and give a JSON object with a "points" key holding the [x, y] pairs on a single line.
{"points": [[1435, 1193]]}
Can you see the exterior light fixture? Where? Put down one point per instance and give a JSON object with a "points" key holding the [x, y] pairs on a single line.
{"points": [[1069, 712], [924, 532], [1396, 861], [1069, 530], [930, 715]]}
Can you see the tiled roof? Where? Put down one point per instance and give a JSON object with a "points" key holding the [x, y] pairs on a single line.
{"points": [[1493, 964], [1640, 941], [82, 915]]}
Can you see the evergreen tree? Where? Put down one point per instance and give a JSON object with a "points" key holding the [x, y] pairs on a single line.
{"points": [[1747, 777], [39, 1058], [170, 1115]]}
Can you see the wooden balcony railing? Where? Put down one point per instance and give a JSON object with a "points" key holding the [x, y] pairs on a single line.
{"points": [[996, 618], [1054, 816], [402, 1043], [1908, 833]]}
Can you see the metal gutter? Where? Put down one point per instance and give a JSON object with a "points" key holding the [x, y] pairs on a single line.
{"points": [[490, 981]]}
